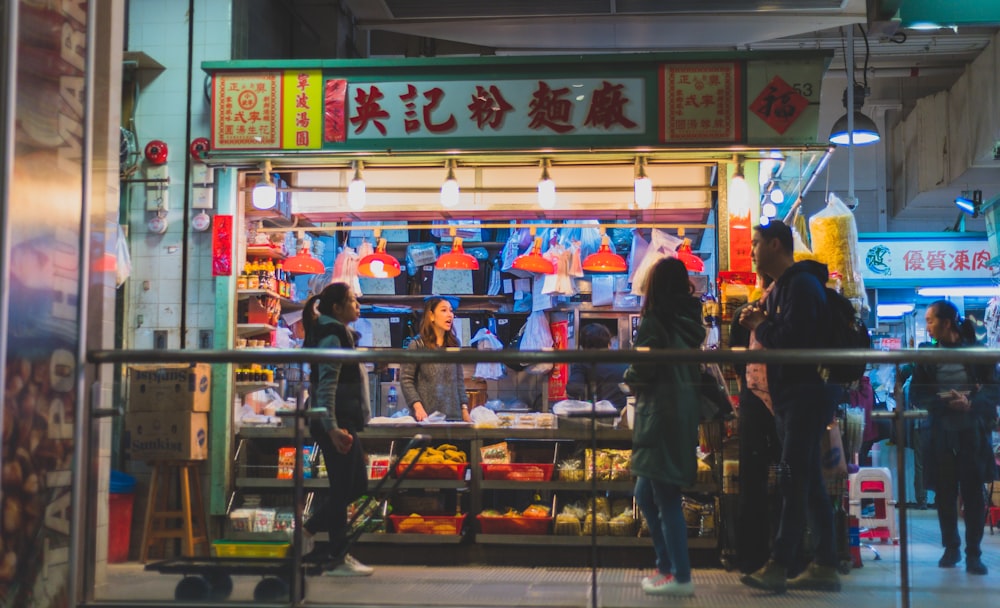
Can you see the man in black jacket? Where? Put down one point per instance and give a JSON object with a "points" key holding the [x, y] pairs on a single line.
{"points": [[795, 315]]}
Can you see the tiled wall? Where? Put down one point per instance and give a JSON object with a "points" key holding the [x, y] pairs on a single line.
{"points": [[160, 30]]}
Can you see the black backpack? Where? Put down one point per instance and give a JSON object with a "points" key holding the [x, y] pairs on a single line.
{"points": [[848, 331]]}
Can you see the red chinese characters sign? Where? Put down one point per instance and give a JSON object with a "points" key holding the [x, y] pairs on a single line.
{"points": [[919, 260], [502, 107], [700, 102], [779, 105], [246, 110]]}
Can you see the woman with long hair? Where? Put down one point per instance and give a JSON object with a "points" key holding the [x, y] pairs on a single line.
{"points": [[430, 387], [341, 400], [665, 433], [961, 401]]}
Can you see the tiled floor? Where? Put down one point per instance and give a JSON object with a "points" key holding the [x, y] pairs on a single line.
{"points": [[874, 585]]}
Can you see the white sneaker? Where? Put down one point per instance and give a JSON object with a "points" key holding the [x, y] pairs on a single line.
{"points": [[648, 580], [668, 585], [350, 567]]}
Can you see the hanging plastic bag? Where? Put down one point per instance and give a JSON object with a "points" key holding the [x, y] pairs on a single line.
{"points": [[420, 254], [510, 250], [345, 269], [661, 244], [486, 340], [799, 248], [537, 336], [835, 243], [636, 253], [123, 259]]}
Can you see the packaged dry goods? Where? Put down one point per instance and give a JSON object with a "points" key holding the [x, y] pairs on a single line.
{"points": [[835, 243]]}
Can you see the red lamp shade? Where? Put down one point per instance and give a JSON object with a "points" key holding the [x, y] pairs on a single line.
{"points": [[379, 265], [692, 262], [457, 259], [605, 260], [303, 263], [534, 261]]}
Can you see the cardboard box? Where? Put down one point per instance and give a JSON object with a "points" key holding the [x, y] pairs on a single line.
{"points": [[166, 435], [170, 387]]}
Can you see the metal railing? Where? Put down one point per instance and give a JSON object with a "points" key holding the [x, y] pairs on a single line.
{"points": [[899, 417]]}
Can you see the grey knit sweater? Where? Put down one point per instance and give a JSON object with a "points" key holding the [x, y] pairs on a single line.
{"points": [[439, 387]]}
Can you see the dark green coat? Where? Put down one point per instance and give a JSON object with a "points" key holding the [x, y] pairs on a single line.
{"points": [[667, 404]]}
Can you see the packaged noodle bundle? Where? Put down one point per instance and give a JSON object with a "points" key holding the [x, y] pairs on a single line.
{"points": [[800, 249], [835, 243]]}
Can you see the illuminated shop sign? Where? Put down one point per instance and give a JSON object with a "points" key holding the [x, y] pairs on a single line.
{"points": [[920, 260]]}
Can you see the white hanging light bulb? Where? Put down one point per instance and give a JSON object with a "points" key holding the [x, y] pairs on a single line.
{"points": [[265, 195], [643, 186], [356, 191], [449, 189], [739, 195], [546, 188]]}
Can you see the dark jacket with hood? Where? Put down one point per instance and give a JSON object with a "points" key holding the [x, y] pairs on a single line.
{"points": [[339, 388], [668, 402], [797, 316]]}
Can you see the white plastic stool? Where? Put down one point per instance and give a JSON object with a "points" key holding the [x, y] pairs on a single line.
{"points": [[875, 484]]}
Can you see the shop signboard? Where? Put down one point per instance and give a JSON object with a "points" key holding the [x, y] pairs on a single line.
{"points": [[914, 259], [514, 102], [41, 220]]}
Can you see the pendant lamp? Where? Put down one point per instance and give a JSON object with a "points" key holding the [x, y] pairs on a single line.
{"points": [[605, 260], [534, 261], [303, 262], [379, 265], [456, 259], [692, 262]]}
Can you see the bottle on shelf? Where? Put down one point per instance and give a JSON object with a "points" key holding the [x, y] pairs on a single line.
{"points": [[253, 275], [391, 401]]}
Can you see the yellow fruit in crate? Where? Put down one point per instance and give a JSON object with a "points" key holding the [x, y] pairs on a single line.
{"points": [[444, 447], [456, 456]]}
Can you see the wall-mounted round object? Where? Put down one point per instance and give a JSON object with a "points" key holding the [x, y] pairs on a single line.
{"points": [[157, 225], [201, 222], [198, 148], [156, 152]]}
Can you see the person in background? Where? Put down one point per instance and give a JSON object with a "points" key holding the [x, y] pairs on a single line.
{"points": [[795, 314], [341, 405], [606, 377], [665, 433], [760, 449], [430, 387], [309, 313], [961, 401]]}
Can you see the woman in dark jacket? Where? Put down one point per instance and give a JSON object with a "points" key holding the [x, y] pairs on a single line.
{"points": [[961, 401], [665, 435], [341, 408]]}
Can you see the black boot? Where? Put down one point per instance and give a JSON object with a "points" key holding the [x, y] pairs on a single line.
{"points": [[975, 565], [950, 558]]}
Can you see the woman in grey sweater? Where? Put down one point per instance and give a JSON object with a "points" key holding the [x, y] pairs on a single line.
{"points": [[430, 387]]}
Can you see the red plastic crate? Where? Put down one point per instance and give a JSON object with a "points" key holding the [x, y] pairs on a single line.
{"points": [[514, 525], [518, 471], [434, 471], [427, 524]]}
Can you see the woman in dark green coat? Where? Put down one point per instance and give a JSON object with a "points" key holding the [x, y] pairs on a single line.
{"points": [[665, 433]]}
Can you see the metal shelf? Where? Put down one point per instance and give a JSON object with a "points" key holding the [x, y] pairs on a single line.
{"points": [[411, 539], [244, 388], [253, 329], [264, 251], [245, 294], [583, 541]]}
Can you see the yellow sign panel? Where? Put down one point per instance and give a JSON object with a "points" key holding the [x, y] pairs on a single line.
{"points": [[245, 110], [302, 109]]}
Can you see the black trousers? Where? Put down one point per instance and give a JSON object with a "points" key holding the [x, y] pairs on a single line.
{"points": [[957, 472], [348, 481], [757, 505]]}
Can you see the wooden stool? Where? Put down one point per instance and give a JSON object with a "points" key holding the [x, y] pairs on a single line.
{"points": [[186, 521]]}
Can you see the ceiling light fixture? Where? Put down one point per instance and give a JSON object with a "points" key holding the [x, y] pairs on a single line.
{"points": [[855, 128], [692, 262], [546, 188], [357, 195], [604, 259], [303, 262], [970, 202], [739, 195], [456, 259], [973, 291], [449, 189], [379, 265], [643, 185], [265, 195], [893, 310], [534, 261]]}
